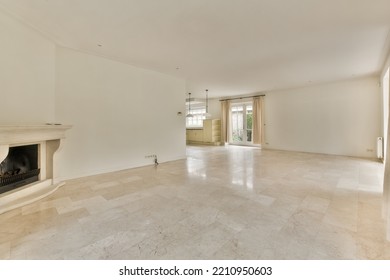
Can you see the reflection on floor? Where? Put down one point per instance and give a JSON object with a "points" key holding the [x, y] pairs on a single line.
{"points": [[220, 203]]}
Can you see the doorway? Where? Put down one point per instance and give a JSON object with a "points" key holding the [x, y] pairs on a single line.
{"points": [[241, 123]]}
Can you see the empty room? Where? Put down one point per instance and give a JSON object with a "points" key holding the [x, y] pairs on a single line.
{"points": [[194, 130]]}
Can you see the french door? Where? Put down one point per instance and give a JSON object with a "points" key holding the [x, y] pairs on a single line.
{"points": [[241, 123]]}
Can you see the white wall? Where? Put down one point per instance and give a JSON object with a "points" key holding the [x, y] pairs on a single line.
{"points": [[215, 108], [385, 101], [340, 118], [385, 105], [27, 73], [386, 178], [120, 114], [386, 66]]}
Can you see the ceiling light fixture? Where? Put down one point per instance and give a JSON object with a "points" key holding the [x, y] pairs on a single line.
{"points": [[189, 115], [207, 114]]}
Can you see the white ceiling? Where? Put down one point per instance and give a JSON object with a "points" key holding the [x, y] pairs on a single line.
{"points": [[231, 47]]}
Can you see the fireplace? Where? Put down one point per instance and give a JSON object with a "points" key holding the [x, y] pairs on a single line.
{"points": [[29, 167], [19, 168]]}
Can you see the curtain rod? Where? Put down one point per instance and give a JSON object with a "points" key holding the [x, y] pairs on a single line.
{"points": [[242, 97]]}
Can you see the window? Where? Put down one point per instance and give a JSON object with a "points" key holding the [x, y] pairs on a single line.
{"points": [[197, 119], [198, 110]]}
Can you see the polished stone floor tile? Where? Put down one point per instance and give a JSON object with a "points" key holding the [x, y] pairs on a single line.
{"points": [[220, 203]]}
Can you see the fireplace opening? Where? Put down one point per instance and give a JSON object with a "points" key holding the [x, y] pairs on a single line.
{"points": [[19, 168]]}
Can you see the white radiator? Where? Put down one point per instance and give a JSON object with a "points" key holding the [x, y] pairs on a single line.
{"points": [[379, 147]]}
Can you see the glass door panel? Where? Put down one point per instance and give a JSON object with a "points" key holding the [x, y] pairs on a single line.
{"points": [[249, 115], [241, 123], [237, 124]]}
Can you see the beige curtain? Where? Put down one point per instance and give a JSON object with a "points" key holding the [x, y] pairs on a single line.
{"points": [[257, 120], [225, 117]]}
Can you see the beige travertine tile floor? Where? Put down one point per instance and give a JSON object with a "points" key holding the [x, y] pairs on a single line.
{"points": [[221, 203]]}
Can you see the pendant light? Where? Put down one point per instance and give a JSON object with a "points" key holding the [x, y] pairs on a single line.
{"points": [[189, 115], [207, 114]]}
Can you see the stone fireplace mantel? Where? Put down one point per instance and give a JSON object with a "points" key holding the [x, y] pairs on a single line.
{"points": [[48, 137], [10, 134]]}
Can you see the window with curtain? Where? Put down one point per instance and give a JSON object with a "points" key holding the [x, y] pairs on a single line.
{"points": [[258, 120], [242, 122]]}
